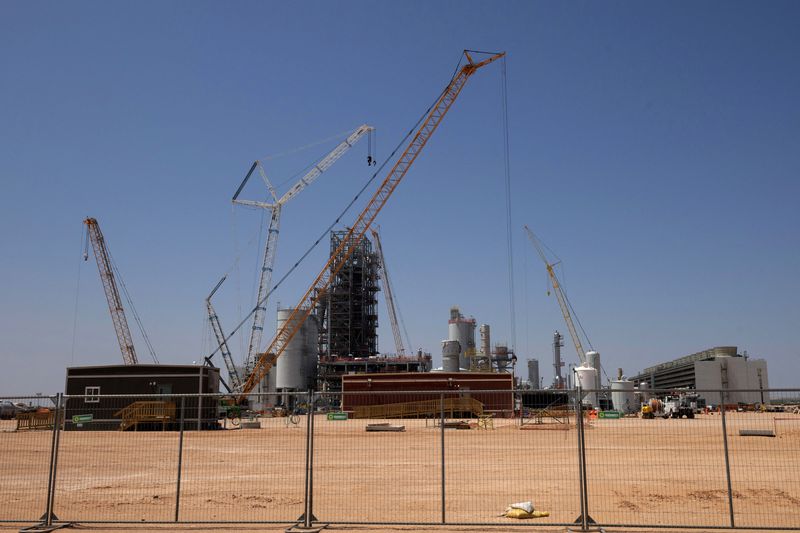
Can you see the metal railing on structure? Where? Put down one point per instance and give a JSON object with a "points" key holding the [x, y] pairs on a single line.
{"points": [[707, 460]]}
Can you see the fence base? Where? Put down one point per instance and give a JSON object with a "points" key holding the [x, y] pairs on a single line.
{"points": [[299, 527], [44, 527], [591, 526]]}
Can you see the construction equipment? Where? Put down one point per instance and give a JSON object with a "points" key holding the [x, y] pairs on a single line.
{"points": [[356, 233], [106, 268], [563, 302], [680, 406], [387, 287], [270, 248], [216, 327]]}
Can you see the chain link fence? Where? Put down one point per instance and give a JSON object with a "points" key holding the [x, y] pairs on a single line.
{"points": [[683, 460]]}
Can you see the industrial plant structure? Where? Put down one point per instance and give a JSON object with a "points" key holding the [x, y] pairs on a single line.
{"points": [[720, 367]]}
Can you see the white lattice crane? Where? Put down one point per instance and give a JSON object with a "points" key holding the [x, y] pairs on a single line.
{"points": [[270, 248], [383, 272], [216, 327]]}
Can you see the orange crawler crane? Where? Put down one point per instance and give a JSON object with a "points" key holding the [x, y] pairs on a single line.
{"points": [[356, 233]]}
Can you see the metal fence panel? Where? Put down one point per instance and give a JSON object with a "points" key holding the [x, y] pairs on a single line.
{"points": [[378, 476], [765, 470], [25, 456], [254, 471], [108, 470], [456, 461], [499, 459], [656, 471]]}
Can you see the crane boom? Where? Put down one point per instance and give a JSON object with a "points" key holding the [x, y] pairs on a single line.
{"points": [[356, 233], [271, 246], [216, 327], [387, 286], [112, 293], [560, 296]]}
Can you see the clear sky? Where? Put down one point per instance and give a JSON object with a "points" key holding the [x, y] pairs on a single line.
{"points": [[654, 146]]}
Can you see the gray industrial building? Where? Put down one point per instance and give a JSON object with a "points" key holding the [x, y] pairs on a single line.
{"points": [[717, 368]]}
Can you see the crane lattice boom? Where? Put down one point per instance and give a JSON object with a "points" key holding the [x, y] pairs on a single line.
{"points": [[342, 254], [560, 296], [112, 293], [271, 246], [216, 327], [387, 287]]}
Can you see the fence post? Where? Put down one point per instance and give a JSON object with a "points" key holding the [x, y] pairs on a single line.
{"points": [[727, 457], [308, 515], [48, 515], [441, 427], [180, 461], [581, 458]]}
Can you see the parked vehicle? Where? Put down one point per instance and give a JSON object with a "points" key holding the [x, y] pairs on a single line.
{"points": [[7, 410]]}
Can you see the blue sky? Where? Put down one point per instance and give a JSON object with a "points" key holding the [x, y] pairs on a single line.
{"points": [[654, 146]]}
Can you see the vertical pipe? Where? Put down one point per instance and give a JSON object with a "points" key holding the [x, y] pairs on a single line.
{"points": [[180, 461], [53, 453], [441, 426], [727, 457]]}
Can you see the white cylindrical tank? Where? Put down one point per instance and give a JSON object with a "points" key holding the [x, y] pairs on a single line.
{"points": [[622, 396], [462, 330], [486, 340], [593, 358], [643, 386], [585, 377], [295, 367], [450, 352]]}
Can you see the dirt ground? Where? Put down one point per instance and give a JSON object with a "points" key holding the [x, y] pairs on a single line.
{"points": [[640, 473]]}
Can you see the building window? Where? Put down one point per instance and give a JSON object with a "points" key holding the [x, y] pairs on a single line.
{"points": [[92, 395]]}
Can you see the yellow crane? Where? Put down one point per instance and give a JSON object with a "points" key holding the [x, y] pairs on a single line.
{"points": [[356, 233], [563, 302]]}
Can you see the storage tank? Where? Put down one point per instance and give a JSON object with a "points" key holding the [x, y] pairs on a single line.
{"points": [[593, 358], [643, 386], [297, 366], [462, 330], [585, 377], [486, 340], [450, 353], [533, 373], [622, 396]]}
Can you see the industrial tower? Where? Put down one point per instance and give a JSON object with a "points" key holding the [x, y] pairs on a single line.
{"points": [[351, 304]]}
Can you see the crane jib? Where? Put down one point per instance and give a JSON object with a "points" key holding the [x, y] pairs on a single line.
{"points": [[307, 303]]}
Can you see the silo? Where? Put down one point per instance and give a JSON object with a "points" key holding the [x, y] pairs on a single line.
{"points": [[486, 340], [622, 396], [462, 330], [533, 373], [593, 360], [450, 351], [297, 365], [585, 377]]}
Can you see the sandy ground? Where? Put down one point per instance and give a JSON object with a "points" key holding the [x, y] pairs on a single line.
{"points": [[641, 472]]}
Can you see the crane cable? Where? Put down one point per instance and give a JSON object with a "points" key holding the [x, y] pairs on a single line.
{"points": [[84, 245], [135, 314], [342, 214], [509, 233]]}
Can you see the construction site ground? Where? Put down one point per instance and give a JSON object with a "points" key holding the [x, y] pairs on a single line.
{"points": [[646, 472]]}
